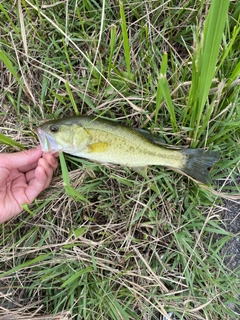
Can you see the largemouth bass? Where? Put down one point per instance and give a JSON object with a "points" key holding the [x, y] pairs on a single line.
{"points": [[107, 141]]}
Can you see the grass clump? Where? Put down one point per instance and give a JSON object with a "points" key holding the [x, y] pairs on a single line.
{"points": [[108, 243]]}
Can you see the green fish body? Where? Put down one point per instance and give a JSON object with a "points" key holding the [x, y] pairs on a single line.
{"points": [[109, 142]]}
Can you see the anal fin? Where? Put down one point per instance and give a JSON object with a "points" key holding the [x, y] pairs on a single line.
{"points": [[141, 170]]}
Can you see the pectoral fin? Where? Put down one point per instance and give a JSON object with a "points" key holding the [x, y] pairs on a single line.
{"points": [[98, 147]]}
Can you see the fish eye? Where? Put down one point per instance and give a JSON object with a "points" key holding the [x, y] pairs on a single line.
{"points": [[54, 129]]}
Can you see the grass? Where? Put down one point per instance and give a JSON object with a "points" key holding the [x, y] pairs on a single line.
{"points": [[103, 242]]}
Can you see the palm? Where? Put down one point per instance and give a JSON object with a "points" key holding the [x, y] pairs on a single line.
{"points": [[23, 175], [13, 190]]}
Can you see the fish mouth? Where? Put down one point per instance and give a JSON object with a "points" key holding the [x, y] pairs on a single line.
{"points": [[47, 142]]}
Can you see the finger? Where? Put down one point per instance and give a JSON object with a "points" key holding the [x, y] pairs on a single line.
{"points": [[22, 160], [43, 176], [28, 167], [30, 175], [42, 179], [56, 154], [36, 186], [51, 160]]}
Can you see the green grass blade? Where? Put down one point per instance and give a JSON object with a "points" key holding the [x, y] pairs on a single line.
{"points": [[73, 193], [112, 46], [125, 39], [70, 191], [229, 48], [71, 98], [163, 69], [77, 275], [212, 36], [159, 95], [24, 265], [6, 140], [65, 175], [235, 74], [213, 32], [164, 90], [8, 18], [10, 67], [163, 84]]}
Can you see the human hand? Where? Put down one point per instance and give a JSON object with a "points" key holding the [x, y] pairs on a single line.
{"points": [[23, 176]]}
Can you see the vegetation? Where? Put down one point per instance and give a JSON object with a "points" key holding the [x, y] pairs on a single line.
{"points": [[112, 244]]}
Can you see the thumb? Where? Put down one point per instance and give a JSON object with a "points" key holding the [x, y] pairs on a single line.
{"points": [[22, 158]]}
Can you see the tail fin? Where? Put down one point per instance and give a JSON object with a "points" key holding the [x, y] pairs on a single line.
{"points": [[198, 162]]}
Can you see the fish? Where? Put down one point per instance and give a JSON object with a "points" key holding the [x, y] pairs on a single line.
{"points": [[107, 141]]}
